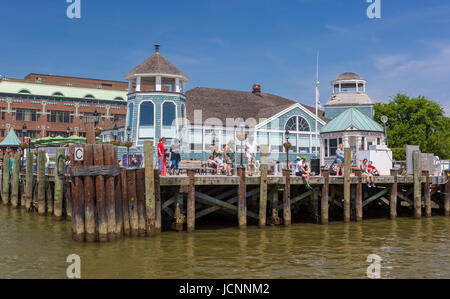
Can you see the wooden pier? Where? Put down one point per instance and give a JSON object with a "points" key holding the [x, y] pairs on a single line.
{"points": [[105, 202]]}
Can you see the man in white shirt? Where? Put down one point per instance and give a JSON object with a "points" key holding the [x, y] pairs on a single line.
{"points": [[251, 149]]}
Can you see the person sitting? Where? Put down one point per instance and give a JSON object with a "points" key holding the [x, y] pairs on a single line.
{"points": [[303, 169], [211, 163], [372, 169], [366, 173], [220, 163]]}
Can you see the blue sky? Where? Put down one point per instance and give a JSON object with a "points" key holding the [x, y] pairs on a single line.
{"points": [[235, 43]]}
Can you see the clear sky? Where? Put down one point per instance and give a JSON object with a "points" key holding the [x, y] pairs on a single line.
{"points": [[234, 43]]}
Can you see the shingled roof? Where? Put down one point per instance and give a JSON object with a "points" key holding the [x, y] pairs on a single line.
{"points": [[223, 104], [156, 64]]}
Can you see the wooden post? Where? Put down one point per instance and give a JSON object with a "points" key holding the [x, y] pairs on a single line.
{"points": [[150, 204], [393, 197], [41, 182], [263, 186], [49, 198], [77, 201], [140, 196], [427, 193], [191, 202], [273, 218], [90, 133], [118, 196], [417, 185], [133, 210], [125, 202], [157, 202], [178, 224], [100, 198], [59, 183], [110, 207], [447, 194], [324, 200], [29, 181], [6, 177], [242, 203], [358, 203], [89, 196], [287, 198], [347, 172], [15, 181]]}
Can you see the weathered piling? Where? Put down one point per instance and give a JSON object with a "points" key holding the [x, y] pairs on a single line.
{"points": [[447, 194], [287, 198], [263, 187], [324, 200], [68, 201], [132, 200], [125, 202], [178, 221], [150, 204], [49, 198], [15, 181], [417, 185], [6, 177], [59, 183], [427, 193], [191, 202], [118, 197], [100, 196], [108, 156], [358, 202], [158, 219], [347, 172], [242, 202], [89, 197], [78, 230], [29, 181], [140, 197], [273, 196], [41, 182], [393, 196]]}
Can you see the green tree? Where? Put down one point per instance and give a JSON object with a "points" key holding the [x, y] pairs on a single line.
{"points": [[416, 121]]}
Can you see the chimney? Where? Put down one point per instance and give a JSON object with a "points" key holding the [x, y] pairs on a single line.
{"points": [[256, 89], [157, 48]]}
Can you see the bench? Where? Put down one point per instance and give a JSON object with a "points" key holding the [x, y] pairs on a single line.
{"points": [[197, 166]]}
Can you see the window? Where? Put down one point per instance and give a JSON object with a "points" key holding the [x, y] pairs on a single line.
{"points": [[26, 115], [89, 96], [303, 144], [59, 117], [169, 115], [3, 115], [25, 91], [3, 133], [147, 120], [297, 124], [119, 99], [58, 94], [276, 142], [118, 117], [130, 115], [196, 139]]}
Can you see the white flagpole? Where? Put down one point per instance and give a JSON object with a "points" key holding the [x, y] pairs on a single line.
{"points": [[317, 101]]}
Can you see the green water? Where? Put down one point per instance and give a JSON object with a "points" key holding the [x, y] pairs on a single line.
{"points": [[37, 247]]}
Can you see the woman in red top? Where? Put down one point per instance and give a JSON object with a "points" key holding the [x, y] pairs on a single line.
{"points": [[162, 157]]}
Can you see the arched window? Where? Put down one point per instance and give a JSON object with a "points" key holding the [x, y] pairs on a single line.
{"points": [[25, 91], [89, 96], [297, 124], [169, 117], [119, 99], [58, 94], [147, 120]]}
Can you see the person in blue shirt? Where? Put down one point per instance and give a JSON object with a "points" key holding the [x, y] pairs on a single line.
{"points": [[340, 159]]}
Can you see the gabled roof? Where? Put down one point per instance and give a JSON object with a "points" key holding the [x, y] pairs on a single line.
{"points": [[223, 104], [11, 140], [156, 64], [352, 120]]}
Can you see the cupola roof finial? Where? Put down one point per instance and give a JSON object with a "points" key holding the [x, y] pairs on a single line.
{"points": [[157, 46]]}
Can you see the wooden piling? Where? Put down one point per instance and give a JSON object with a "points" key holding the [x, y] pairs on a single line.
{"points": [[158, 218], [110, 207], [59, 183], [125, 202], [417, 185], [41, 182], [68, 201], [100, 198], [49, 198], [324, 200], [242, 202], [29, 181], [15, 181], [6, 177], [150, 204], [118, 197], [90, 132], [191, 202], [447, 194], [78, 231], [287, 198], [273, 218], [132, 200], [89, 197], [347, 172], [393, 197], [263, 187], [358, 203], [427, 193], [178, 223], [140, 197]]}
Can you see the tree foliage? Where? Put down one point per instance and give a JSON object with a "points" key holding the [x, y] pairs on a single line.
{"points": [[416, 121]]}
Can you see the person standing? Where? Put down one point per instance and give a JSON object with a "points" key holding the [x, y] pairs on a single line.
{"points": [[340, 160], [175, 157], [251, 148], [162, 157], [229, 156]]}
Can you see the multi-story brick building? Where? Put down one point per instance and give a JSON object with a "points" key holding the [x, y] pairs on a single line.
{"points": [[57, 105]]}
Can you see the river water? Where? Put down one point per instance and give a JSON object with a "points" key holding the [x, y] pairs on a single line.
{"points": [[37, 247]]}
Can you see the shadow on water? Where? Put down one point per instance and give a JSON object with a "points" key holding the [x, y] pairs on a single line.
{"points": [[37, 247]]}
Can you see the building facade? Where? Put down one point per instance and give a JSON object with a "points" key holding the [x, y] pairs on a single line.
{"points": [[58, 105]]}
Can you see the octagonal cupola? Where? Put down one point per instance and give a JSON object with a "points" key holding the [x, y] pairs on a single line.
{"points": [[156, 74]]}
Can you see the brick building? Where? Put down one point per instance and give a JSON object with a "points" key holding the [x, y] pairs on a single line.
{"points": [[57, 105]]}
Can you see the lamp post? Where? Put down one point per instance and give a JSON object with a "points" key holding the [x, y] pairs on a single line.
{"points": [[128, 145], [213, 136], [287, 146], [96, 118], [241, 137], [384, 120], [68, 132], [115, 130]]}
